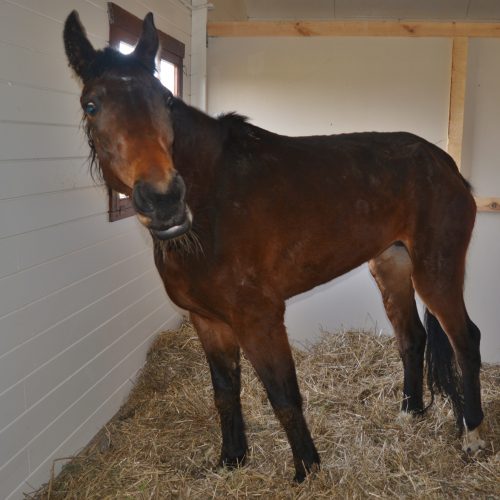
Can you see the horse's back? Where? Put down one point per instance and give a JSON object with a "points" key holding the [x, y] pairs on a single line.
{"points": [[308, 209], [366, 176], [347, 161]]}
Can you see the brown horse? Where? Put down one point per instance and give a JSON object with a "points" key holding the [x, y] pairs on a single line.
{"points": [[243, 219]]}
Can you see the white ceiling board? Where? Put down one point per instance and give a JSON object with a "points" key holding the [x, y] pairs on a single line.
{"points": [[459, 10], [484, 9], [228, 10], [290, 9], [401, 9]]}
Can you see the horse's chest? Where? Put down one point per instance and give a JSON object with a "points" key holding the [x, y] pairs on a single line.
{"points": [[182, 283]]}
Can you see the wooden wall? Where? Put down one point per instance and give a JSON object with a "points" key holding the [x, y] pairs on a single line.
{"points": [[80, 299]]}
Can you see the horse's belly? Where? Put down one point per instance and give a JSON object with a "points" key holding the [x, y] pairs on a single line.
{"points": [[305, 266]]}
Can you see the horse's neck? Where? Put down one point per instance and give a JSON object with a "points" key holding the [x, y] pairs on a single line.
{"points": [[197, 147]]}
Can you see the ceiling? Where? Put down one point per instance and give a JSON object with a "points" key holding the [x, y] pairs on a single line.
{"points": [[459, 10]]}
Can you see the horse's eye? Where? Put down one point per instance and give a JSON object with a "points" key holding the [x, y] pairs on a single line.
{"points": [[90, 108]]}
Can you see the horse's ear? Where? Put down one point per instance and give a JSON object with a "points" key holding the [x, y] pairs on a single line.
{"points": [[79, 50], [147, 47]]}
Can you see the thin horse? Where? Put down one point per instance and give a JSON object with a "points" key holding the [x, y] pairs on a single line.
{"points": [[242, 219]]}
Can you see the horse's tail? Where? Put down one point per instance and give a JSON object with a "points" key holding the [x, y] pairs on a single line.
{"points": [[442, 374]]}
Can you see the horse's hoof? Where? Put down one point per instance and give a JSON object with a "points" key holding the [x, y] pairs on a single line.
{"points": [[232, 463], [473, 441], [404, 417], [299, 478], [301, 475]]}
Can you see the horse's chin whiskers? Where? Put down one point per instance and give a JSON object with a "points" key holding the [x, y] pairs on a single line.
{"points": [[187, 244]]}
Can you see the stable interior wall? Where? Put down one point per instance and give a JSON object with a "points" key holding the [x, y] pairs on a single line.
{"points": [[80, 298], [481, 164], [304, 86]]}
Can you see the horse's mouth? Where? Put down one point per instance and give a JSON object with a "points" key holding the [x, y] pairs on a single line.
{"points": [[176, 230]]}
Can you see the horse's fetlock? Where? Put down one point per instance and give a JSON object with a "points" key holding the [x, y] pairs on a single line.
{"points": [[473, 422], [412, 407]]}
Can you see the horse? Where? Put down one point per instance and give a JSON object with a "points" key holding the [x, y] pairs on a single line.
{"points": [[242, 219]]}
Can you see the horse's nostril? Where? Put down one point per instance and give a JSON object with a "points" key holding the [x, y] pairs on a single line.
{"points": [[141, 197], [160, 209]]}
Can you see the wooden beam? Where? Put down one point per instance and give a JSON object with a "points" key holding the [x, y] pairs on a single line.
{"points": [[457, 98], [354, 28], [490, 204]]}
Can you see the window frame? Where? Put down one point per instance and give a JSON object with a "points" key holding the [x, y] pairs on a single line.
{"points": [[125, 27]]}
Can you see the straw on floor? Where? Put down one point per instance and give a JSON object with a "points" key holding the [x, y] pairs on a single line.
{"points": [[165, 440]]}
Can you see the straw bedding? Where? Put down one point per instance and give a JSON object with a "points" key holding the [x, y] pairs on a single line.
{"points": [[165, 439]]}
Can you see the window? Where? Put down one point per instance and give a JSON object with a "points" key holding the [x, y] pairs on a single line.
{"points": [[124, 32]]}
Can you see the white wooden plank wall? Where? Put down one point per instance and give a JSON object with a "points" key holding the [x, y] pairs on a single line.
{"points": [[80, 299]]}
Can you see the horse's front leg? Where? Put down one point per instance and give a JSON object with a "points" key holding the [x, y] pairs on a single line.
{"points": [[223, 355], [262, 336]]}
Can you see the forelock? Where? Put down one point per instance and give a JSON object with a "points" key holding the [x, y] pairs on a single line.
{"points": [[111, 60]]}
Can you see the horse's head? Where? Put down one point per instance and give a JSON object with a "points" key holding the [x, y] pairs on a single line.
{"points": [[128, 123]]}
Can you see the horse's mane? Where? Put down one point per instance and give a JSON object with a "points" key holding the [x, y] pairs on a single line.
{"points": [[232, 119], [238, 127]]}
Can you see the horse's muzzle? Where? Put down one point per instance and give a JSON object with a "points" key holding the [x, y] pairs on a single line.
{"points": [[177, 230], [165, 214]]}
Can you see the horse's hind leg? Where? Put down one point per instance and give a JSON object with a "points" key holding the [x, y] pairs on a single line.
{"points": [[223, 355], [392, 272], [438, 277]]}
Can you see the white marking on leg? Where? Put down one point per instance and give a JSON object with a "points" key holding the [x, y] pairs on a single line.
{"points": [[404, 418], [473, 441]]}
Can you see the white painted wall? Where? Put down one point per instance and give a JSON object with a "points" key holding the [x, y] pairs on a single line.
{"points": [[80, 299], [481, 162], [302, 86], [199, 54]]}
